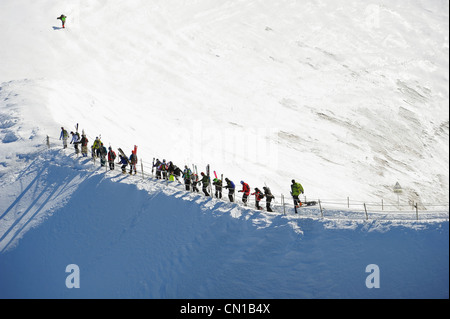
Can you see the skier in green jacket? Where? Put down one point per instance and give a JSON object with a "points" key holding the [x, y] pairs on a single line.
{"points": [[296, 190], [63, 19]]}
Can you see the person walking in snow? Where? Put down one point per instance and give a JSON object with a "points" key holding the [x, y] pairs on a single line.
{"points": [[194, 180], [258, 197], [111, 158], [62, 17], [205, 183], [75, 141], [103, 152], [246, 190], [157, 167], [64, 136], [177, 172], [84, 143], [124, 162], [96, 147], [163, 169], [187, 174], [296, 190], [230, 186], [269, 198], [133, 162], [218, 185]]}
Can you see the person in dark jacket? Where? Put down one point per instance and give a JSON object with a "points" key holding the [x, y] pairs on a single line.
{"points": [[187, 175], [133, 162], [230, 186], [218, 184], [103, 152], [269, 198], [194, 180], [124, 162], [157, 166], [205, 183]]}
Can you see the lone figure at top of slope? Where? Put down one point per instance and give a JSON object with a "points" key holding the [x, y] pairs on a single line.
{"points": [[63, 19]]}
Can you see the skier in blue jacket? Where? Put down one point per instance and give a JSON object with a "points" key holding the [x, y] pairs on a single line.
{"points": [[124, 162], [231, 188]]}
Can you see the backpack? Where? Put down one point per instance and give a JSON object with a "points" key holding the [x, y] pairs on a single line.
{"points": [[84, 141], [133, 158]]}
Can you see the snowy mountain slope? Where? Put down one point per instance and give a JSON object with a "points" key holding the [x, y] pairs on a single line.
{"points": [[346, 98], [136, 238]]}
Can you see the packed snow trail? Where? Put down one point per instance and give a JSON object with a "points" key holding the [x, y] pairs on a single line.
{"points": [[134, 238]]}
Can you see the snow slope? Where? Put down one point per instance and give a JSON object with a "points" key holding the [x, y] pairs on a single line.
{"points": [[347, 98], [140, 238]]}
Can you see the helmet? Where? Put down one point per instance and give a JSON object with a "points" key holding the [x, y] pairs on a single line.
{"points": [[242, 182], [293, 181]]}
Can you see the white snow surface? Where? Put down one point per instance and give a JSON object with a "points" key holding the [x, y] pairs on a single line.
{"points": [[348, 98]]}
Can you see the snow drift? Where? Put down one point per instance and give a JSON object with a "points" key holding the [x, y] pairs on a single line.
{"points": [[142, 238]]}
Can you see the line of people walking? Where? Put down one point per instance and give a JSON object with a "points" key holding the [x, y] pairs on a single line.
{"points": [[171, 172]]}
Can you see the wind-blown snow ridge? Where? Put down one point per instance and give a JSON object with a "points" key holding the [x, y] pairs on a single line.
{"points": [[53, 176], [141, 238]]}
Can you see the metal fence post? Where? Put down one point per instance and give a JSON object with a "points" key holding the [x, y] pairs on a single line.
{"points": [[320, 206]]}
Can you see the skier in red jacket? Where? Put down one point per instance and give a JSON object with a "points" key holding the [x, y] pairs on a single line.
{"points": [[258, 196], [246, 191]]}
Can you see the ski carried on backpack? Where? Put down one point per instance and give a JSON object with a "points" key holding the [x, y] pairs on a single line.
{"points": [[209, 179], [123, 155]]}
